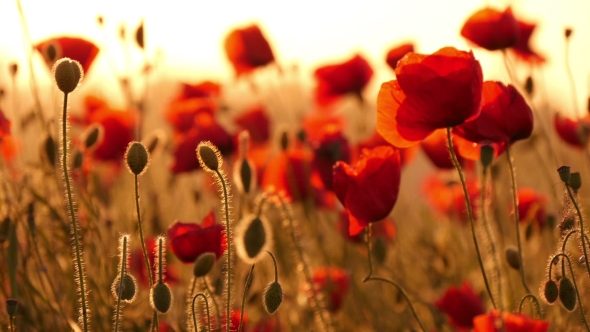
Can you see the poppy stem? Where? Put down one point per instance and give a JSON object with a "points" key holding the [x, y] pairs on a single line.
{"points": [[570, 77], [246, 288], [144, 250], [218, 314], [535, 304], [469, 213], [399, 288], [516, 217], [490, 236], [123, 263], [569, 192], [78, 251], [229, 244], [274, 262], [569, 262], [206, 310]]}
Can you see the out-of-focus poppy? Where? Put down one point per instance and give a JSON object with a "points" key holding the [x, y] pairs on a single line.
{"points": [[205, 128], [573, 132], [436, 149], [78, 49], [256, 122], [406, 155], [433, 91], [334, 282], [505, 116], [449, 198], [118, 126], [472, 151], [248, 49], [522, 49], [339, 79], [531, 207], [330, 148], [139, 270], [508, 322], [205, 89], [188, 241], [183, 113], [7, 141], [461, 305], [491, 29], [397, 53], [384, 229], [289, 172], [234, 320], [268, 324], [369, 189]]}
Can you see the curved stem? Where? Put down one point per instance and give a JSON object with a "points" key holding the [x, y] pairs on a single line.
{"points": [[469, 213], [399, 288], [576, 287], [246, 288], [535, 303], [516, 217], [123, 263], [228, 257], [569, 192], [274, 261], [218, 314], [64, 163], [206, 309]]}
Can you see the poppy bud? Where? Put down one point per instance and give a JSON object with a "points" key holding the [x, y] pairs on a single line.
{"points": [[550, 291], [67, 74], [284, 140], [486, 153], [92, 136], [529, 86], [568, 32], [203, 264], [379, 250], [252, 237], [576, 181], [567, 293], [273, 296], [13, 69], [49, 150], [78, 159], [512, 257], [243, 175], [154, 141], [209, 157], [137, 158], [161, 297], [564, 174], [100, 20], [140, 36], [11, 306], [129, 291]]}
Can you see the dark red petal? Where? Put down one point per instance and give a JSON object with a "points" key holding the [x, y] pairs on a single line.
{"points": [[491, 29]]}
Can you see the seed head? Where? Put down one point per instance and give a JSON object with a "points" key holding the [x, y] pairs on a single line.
{"points": [[11, 306], [137, 158], [564, 174], [67, 74]]}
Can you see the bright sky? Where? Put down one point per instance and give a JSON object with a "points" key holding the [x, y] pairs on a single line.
{"points": [[306, 32]]}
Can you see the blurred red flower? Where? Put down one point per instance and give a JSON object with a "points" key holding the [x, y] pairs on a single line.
{"points": [[369, 189], [531, 206], [138, 268], [494, 321], [461, 305], [339, 79], [331, 147], [491, 29], [78, 49], [406, 155], [522, 49], [205, 89], [449, 199], [573, 132], [505, 116], [205, 128], [384, 229], [247, 49], [268, 324], [7, 141], [188, 241], [472, 151], [436, 149], [397, 53], [118, 128], [256, 122], [433, 91], [334, 282], [289, 172]]}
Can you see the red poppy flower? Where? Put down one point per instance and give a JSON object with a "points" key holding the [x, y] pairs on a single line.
{"points": [[188, 241], [334, 282], [269, 324], [397, 53], [406, 155], [531, 207], [491, 29], [431, 91], [118, 128], [330, 148], [78, 49], [205, 128], [369, 189], [573, 132], [289, 172], [522, 49], [384, 229], [7, 142], [461, 305], [494, 321], [449, 199], [472, 151], [436, 149], [182, 113], [138, 268], [505, 116], [257, 123], [205, 89], [348, 77], [247, 49]]}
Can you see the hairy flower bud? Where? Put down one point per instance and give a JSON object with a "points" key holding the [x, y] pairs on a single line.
{"points": [[209, 157], [203, 264], [567, 293], [137, 158], [67, 74], [550, 291], [161, 297], [273, 296]]}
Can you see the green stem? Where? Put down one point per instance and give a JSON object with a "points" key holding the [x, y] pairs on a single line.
{"points": [[123, 263], [569, 192], [160, 260], [535, 304], [229, 244], [274, 261], [469, 213], [391, 282], [206, 309], [218, 314], [246, 287], [576, 287], [490, 236], [64, 163]]}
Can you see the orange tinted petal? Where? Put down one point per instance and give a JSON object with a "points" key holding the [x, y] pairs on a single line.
{"points": [[389, 101]]}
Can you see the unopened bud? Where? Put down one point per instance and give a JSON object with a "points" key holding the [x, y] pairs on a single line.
{"points": [[252, 238], [550, 291], [568, 32], [67, 74], [564, 174], [154, 141], [576, 181], [13, 69], [209, 157], [203, 264], [78, 159], [161, 297], [92, 136], [129, 289], [513, 257], [273, 296], [486, 154], [137, 158], [567, 293], [49, 150], [529, 86]]}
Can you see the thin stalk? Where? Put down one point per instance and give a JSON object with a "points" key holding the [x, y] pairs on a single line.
{"points": [[160, 260], [218, 314], [570, 76], [123, 263], [399, 288], [206, 309], [569, 192], [64, 163], [469, 213], [535, 304], [228, 257], [489, 234], [274, 261], [576, 287], [246, 287]]}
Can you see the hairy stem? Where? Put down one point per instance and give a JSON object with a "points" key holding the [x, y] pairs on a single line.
{"points": [[569, 263], [569, 192], [123, 263], [535, 304], [246, 287], [228, 257], [206, 310], [218, 314]]}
